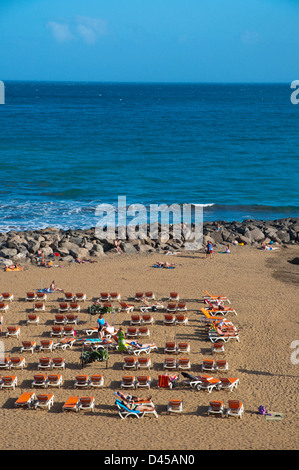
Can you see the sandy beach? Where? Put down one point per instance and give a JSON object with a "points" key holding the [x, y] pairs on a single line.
{"points": [[262, 287]]}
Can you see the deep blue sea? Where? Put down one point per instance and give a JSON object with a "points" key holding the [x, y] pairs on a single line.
{"points": [[66, 148]]}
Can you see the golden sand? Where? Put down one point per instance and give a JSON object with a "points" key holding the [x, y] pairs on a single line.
{"points": [[262, 287]]}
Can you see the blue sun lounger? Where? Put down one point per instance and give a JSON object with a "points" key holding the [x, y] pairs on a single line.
{"points": [[124, 411]]}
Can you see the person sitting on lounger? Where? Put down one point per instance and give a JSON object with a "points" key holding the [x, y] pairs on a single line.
{"points": [[219, 303]]}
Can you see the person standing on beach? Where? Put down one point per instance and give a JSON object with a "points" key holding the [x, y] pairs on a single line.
{"points": [[121, 339], [209, 250], [101, 323]]}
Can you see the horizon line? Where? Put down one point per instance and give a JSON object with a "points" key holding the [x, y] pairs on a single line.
{"points": [[154, 82]]}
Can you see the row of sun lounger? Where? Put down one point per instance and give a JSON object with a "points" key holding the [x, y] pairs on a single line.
{"points": [[217, 334]]}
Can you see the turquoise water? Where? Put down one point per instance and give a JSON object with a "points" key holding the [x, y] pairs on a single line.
{"points": [[65, 148]]}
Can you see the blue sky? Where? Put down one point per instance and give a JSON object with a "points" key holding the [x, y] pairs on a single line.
{"points": [[150, 40]]}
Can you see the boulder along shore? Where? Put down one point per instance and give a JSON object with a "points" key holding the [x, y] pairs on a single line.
{"points": [[75, 244]]}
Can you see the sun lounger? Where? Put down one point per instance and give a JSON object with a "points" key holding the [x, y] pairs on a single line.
{"points": [[135, 319], [5, 362], [13, 331], [174, 297], [208, 318], [149, 295], [128, 381], [80, 297], [9, 381], [144, 363], [183, 363], [65, 343], [40, 380], [87, 404], [213, 298], [208, 365], [130, 363], [32, 319], [41, 296], [17, 362], [25, 400], [28, 346], [216, 407], [91, 331], [114, 296], [82, 381], [45, 401], [171, 307], [96, 381], [217, 347], [39, 307], [104, 296], [124, 307], [215, 336], [208, 384], [139, 296], [221, 365], [59, 319], [170, 347], [72, 404], [58, 363], [137, 348], [56, 331], [63, 307], [170, 363], [31, 296], [68, 330], [181, 319], [175, 406], [46, 345], [143, 381], [55, 380], [71, 319], [181, 307], [219, 311], [140, 412], [169, 319], [229, 383], [69, 296], [143, 331], [147, 319], [45, 363], [7, 296], [3, 307], [235, 408], [74, 307], [183, 348], [132, 332]]}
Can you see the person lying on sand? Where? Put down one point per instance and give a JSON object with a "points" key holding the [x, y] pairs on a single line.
{"points": [[159, 264], [268, 247], [84, 260]]}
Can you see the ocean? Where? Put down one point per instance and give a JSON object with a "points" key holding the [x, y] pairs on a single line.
{"points": [[66, 148]]}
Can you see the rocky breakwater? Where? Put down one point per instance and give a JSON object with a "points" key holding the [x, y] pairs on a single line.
{"points": [[69, 245]]}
